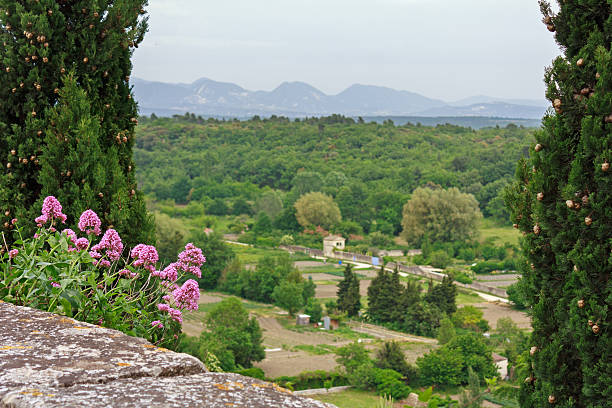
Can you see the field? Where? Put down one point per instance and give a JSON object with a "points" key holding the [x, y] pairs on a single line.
{"points": [[496, 234], [349, 399]]}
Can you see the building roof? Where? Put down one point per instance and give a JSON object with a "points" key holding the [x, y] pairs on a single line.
{"points": [[497, 357]]}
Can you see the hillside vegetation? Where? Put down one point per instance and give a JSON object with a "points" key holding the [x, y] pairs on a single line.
{"points": [[370, 169]]}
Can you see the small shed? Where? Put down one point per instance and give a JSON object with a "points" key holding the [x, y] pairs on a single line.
{"points": [[332, 242], [303, 320], [501, 363]]}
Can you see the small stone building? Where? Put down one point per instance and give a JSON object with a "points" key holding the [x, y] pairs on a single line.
{"points": [[501, 363], [332, 242]]}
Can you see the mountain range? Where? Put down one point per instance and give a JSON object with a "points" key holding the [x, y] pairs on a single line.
{"points": [[298, 99]]}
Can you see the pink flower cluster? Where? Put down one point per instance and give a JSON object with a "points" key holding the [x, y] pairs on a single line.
{"points": [[146, 256], [191, 259], [175, 314], [90, 223], [51, 209], [157, 323], [187, 296], [170, 273], [72, 236], [13, 253], [111, 245]]}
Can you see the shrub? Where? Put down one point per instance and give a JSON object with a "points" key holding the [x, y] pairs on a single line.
{"points": [[62, 273], [314, 310], [391, 356], [312, 379], [388, 384], [469, 317], [254, 372], [442, 367], [487, 266], [439, 259]]}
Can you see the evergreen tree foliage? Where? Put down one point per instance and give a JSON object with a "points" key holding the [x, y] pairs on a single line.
{"points": [[562, 201], [46, 131], [443, 296], [349, 299], [384, 294], [390, 356]]}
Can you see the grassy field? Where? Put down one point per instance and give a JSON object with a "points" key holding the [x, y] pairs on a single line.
{"points": [[252, 255], [350, 399], [496, 234], [466, 298]]}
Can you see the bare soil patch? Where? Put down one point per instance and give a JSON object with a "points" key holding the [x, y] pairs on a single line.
{"points": [[302, 265], [284, 362], [493, 311], [330, 291], [275, 335]]}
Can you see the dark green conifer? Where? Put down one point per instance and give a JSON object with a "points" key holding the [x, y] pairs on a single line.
{"points": [[443, 295], [42, 41], [349, 299], [562, 201]]}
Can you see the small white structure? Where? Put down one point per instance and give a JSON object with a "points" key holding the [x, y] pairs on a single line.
{"points": [[501, 363], [332, 242], [303, 320]]}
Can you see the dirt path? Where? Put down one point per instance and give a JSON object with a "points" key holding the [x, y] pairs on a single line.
{"points": [[382, 333]]}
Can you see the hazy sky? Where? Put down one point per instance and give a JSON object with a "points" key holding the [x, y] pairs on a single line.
{"points": [[447, 49]]}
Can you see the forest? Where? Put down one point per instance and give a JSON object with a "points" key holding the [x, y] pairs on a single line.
{"points": [[369, 169]]}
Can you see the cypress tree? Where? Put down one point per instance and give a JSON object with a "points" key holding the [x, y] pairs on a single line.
{"points": [[349, 299], [563, 204], [42, 41]]}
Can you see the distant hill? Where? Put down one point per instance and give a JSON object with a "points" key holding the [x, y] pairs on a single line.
{"points": [[298, 99]]}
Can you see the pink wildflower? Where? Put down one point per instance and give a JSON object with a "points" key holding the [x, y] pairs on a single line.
{"points": [[14, 221], [169, 273], [187, 295], [51, 209], [157, 323], [36, 235], [40, 220], [124, 272], [70, 234], [111, 245], [162, 307], [82, 243], [90, 223], [176, 315], [56, 285], [166, 298], [191, 259], [146, 256], [13, 253]]}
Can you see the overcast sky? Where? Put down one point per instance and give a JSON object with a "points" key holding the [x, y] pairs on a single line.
{"points": [[447, 49]]}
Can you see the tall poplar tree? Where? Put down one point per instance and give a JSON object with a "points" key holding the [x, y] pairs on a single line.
{"points": [[562, 202], [42, 42]]}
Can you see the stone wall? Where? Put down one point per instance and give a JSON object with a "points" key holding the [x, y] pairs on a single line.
{"points": [[48, 360]]}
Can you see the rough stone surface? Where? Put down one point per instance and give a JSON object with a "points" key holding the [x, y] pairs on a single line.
{"points": [[48, 360]]}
